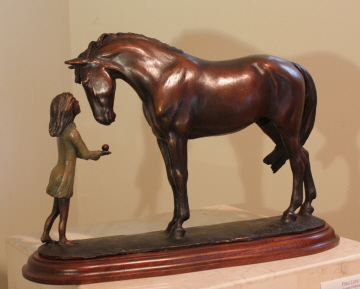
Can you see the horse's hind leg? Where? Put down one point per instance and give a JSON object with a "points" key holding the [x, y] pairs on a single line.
{"points": [[310, 191], [278, 156], [297, 164]]}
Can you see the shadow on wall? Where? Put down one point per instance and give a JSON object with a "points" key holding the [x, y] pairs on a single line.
{"points": [[337, 120], [150, 174], [3, 280]]}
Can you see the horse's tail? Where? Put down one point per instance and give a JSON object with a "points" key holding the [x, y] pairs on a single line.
{"points": [[279, 156], [309, 113]]}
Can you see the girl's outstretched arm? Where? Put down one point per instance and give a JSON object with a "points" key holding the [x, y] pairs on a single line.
{"points": [[82, 150]]}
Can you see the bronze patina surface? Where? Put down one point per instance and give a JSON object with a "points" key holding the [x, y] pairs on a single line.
{"points": [[241, 231]]}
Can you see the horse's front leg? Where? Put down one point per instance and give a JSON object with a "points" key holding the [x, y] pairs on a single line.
{"points": [[164, 148], [177, 148]]}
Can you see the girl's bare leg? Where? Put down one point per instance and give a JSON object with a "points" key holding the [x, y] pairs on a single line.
{"points": [[64, 205], [45, 237]]}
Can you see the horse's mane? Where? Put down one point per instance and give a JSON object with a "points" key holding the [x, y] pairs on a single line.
{"points": [[93, 45]]}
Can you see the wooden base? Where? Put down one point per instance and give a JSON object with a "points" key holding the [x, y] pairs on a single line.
{"points": [[149, 264]]}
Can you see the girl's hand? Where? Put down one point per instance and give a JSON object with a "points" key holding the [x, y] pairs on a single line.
{"points": [[101, 153]]}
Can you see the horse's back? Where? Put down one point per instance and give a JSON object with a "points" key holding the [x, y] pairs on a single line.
{"points": [[259, 76], [256, 77], [259, 64], [235, 93]]}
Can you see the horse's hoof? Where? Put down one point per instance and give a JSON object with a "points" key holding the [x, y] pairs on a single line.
{"points": [[66, 243], [306, 210], [177, 233], [169, 227], [289, 217]]}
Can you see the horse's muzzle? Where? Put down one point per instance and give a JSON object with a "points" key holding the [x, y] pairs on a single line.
{"points": [[107, 118]]}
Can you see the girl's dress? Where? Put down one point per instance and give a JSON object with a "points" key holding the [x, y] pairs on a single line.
{"points": [[70, 146]]}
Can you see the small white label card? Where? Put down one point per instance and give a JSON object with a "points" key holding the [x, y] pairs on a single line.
{"points": [[350, 282]]}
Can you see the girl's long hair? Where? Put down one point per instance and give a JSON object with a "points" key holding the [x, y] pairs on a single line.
{"points": [[61, 113]]}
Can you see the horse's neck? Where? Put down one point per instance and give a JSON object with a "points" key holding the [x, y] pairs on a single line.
{"points": [[141, 82], [146, 70]]}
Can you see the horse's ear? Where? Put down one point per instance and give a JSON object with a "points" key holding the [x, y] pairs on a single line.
{"points": [[76, 62]]}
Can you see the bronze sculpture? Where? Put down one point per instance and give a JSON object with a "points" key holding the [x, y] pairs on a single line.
{"points": [[63, 110], [185, 98]]}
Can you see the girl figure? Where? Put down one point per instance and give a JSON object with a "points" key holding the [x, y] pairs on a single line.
{"points": [[64, 107]]}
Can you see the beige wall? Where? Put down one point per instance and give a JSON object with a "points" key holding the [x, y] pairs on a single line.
{"points": [[34, 41], [322, 35]]}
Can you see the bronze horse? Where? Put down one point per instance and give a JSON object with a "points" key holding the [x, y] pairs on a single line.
{"points": [[185, 97]]}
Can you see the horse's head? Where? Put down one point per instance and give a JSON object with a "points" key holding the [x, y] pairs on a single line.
{"points": [[136, 59], [99, 85]]}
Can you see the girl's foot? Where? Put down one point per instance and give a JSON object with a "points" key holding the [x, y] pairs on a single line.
{"points": [[46, 239]]}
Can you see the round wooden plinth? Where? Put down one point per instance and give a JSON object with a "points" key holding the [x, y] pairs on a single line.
{"points": [[149, 264]]}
